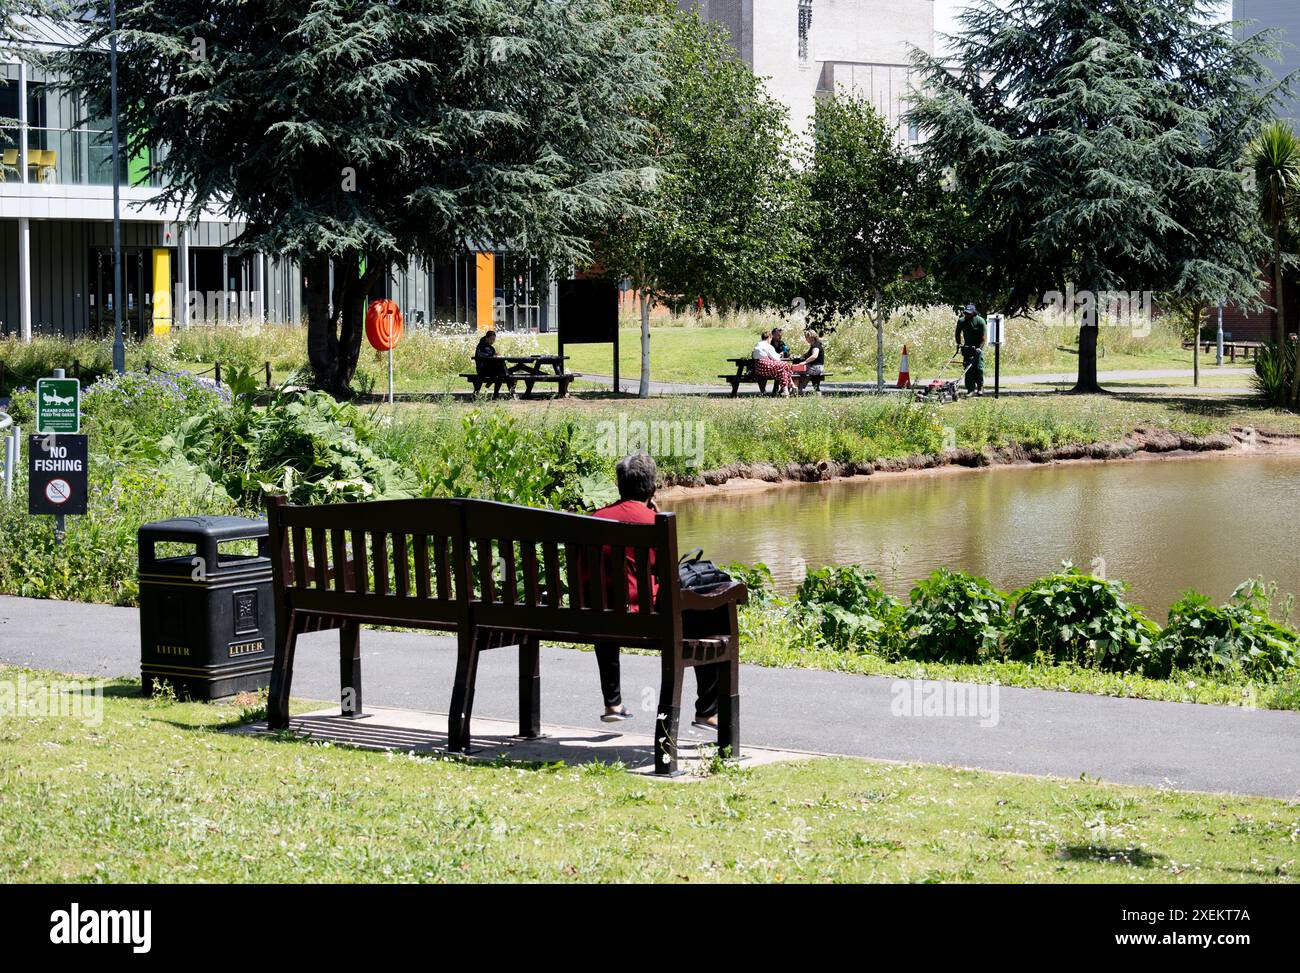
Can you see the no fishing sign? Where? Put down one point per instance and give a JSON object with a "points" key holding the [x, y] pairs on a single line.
{"points": [[58, 476]]}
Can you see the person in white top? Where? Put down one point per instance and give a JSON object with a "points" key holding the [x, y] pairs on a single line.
{"points": [[769, 365]]}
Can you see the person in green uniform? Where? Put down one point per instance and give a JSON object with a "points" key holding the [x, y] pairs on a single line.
{"points": [[971, 334]]}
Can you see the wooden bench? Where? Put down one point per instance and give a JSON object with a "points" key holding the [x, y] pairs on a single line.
{"points": [[478, 381], [745, 373], [1249, 349], [497, 575]]}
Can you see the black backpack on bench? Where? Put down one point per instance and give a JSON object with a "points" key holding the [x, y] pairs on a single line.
{"points": [[696, 574]]}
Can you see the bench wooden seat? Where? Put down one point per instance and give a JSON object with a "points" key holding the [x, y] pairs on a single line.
{"points": [[1249, 349], [497, 575], [746, 374], [479, 382]]}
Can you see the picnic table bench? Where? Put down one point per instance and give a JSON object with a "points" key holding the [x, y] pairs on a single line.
{"points": [[497, 575], [529, 369], [1248, 349], [745, 373]]}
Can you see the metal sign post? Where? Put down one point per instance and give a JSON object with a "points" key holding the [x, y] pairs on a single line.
{"points": [[995, 339]]}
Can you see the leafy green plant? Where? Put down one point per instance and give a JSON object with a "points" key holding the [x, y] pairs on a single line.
{"points": [[500, 458], [757, 578], [1239, 635], [953, 617], [1074, 617], [304, 445], [851, 608], [1274, 367]]}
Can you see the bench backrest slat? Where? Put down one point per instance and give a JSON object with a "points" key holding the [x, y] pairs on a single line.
{"points": [[320, 562], [528, 558], [361, 573], [401, 569], [339, 555], [379, 547], [422, 589], [551, 557]]}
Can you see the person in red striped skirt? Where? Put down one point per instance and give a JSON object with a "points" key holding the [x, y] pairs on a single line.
{"points": [[768, 364]]}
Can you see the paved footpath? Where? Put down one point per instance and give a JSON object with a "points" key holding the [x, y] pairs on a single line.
{"points": [[1020, 384], [1181, 745]]}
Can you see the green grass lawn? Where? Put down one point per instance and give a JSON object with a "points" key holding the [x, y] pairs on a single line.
{"points": [[690, 355], [157, 793], [697, 356]]}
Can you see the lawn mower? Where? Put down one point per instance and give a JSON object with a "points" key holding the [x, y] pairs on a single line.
{"points": [[941, 390]]}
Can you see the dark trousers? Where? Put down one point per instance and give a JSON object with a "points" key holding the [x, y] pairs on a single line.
{"points": [[973, 359], [611, 683]]}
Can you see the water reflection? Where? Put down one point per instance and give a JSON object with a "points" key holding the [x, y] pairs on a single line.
{"points": [[1161, 526]]}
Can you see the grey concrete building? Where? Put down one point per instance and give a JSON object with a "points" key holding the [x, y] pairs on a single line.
{"points": [[809, 48], [1283, 16]]}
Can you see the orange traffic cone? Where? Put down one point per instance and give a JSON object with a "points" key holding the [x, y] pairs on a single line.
{"points": [[904, 378]]}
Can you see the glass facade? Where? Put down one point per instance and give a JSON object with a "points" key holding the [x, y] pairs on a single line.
{"points": [[64, 146]]}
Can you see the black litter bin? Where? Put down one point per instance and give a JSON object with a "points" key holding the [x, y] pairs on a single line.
{"points": [[207, 624]]}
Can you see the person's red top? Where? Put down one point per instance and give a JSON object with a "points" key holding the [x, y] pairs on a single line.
{"points": [[628, 512]]}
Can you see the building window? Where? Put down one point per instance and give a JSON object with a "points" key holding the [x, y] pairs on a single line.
{"points": [[913, 133], [805, 27]]}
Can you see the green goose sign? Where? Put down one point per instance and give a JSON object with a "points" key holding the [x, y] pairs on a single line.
{"points": [[58, 406]]}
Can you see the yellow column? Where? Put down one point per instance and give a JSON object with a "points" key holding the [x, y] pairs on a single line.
{"points": [[485, 288], [162, 291]]}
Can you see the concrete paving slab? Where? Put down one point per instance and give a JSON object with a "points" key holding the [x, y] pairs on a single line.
{"points": [[414, 731]]}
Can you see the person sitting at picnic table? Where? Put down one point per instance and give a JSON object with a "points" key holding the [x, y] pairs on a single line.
{"points": [[813, 360], [779, 345], [636, 475], [486, 359], [768, 364]]}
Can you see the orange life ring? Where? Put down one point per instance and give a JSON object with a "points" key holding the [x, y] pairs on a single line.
{"points": [[384, 325]]}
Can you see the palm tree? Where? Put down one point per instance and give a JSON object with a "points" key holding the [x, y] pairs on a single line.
{"points": [[1274, 158]]}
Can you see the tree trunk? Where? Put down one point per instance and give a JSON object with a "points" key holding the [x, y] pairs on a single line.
{"points": [[322, 336], [1196, 346], [644, 389], [336, 321], [880, 344], [1295, 375], [1086, 384], [1279, 296]]}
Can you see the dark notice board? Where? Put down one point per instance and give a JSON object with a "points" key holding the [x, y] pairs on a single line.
{"points": [[588, 311]]}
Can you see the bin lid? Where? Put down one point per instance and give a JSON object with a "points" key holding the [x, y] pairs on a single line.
{"points": [[219, 528]]}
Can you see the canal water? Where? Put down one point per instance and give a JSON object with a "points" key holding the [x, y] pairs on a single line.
{"points": [[1161, 526]]}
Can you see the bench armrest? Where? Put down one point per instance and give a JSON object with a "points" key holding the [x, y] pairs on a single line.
{"points": [[728, 593]]}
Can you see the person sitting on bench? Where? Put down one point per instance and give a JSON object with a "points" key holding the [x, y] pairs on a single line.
{"points": [[636, 475], [768, 364], [486, 359], [813, 360]]}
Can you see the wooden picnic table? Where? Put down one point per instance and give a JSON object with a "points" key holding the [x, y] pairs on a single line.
{"points": [[745, 373], [529, 369], [1248, 349]]}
